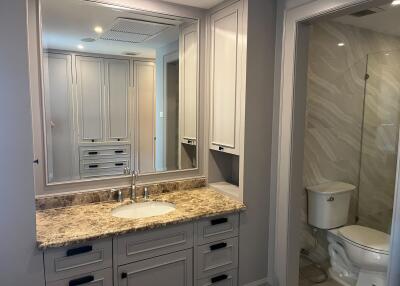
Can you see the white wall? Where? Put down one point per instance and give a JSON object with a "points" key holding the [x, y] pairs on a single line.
{"points": [[20, 262], [160, 121]]}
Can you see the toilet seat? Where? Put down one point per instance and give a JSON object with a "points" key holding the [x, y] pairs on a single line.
{"points": [[366, 238]]}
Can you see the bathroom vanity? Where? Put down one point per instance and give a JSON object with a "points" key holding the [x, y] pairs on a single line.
{"points": [[196, 244]]}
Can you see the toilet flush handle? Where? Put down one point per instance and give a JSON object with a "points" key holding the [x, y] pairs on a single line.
{"points": [[330, 199]]}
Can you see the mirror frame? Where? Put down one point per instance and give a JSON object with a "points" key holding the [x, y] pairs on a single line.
{"points": [[42, 184]]}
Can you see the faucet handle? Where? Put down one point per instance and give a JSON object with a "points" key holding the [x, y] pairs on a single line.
{"points": [[120, 196], [146, 194]]}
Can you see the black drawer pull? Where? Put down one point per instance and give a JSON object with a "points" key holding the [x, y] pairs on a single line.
{"points": [[218, 246], [118, 151], [219, 220], [81, 281], [219, 278], [124, 275], [220, 148], [189, 141], [93, 166], [79, 250], [93, 152], [119, 164]]}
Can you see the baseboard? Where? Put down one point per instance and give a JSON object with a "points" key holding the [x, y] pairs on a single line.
{"points": [[262, 282]]}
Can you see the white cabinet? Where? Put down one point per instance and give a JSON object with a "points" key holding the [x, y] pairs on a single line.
{"points": [[90, 92], [59, 121], [117, 99], [103, 98], [226, 78], [144, 86], [174, 269], [188, 41]]}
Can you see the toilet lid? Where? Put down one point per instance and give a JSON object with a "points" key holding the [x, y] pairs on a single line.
{"points": [[366, 238]]}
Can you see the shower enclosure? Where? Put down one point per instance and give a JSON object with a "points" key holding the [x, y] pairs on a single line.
{"points": [[379, 140]]}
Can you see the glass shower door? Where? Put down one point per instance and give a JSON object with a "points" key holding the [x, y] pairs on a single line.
{"points": [[380, 130]]}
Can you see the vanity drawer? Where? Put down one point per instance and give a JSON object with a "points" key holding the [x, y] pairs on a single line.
{"points": [[227, 278], [61, 263], [97, 278], [216, 257], [217, 228], [142, 245]]}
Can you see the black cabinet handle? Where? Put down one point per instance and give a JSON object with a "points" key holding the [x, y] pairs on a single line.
{"points": [[189, 141], [93, 166], [79, 250], [118, 151], [219, 220], [81, 281], [124, 275], [218, 246], [220, 148], [119, 164], [93, 152], [219, 278]]}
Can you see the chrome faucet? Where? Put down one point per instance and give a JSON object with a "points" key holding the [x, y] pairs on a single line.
{"points": [[134, 176]]}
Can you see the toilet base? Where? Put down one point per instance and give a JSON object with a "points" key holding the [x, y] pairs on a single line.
{"points": [[369, 278], [342, 281]]}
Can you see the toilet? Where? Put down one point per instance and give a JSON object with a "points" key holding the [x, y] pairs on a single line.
{"points": [[359, 255]]}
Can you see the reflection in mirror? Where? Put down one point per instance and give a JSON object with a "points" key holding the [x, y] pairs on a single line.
{"points": [[119, 90]]}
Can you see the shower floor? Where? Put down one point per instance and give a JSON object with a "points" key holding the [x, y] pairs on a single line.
{"points": [[307, 273]]}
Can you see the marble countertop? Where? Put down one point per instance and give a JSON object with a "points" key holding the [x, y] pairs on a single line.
{"points": [[75, 224]]}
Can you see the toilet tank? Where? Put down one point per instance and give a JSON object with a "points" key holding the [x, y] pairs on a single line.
{"points": [[328, 204]]}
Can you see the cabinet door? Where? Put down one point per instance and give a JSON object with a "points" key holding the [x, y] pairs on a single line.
{"points": [[59, 120], [117, 97], [90, 89], [175, 269], [226, 75], [188, 78], [144, 82]]}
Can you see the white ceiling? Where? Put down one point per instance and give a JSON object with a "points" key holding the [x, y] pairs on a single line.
{"points": [[386, 21], [205, 4], [66, 22]]}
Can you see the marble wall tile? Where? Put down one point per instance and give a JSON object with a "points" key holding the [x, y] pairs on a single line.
{"points": [[340, 134]]}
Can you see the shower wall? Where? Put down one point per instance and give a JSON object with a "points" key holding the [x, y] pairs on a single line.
{"points": [[334, 114]]}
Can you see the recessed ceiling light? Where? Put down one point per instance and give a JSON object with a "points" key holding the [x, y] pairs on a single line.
{"points": [[81, 47], [387, 54], [396, 3], [340, 44], [98, 29]]}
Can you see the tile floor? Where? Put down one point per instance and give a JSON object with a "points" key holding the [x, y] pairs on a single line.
{"points": [[309, 273]]}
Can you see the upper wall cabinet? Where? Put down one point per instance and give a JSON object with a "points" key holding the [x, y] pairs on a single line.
{"points": [[103, 94], [226, 78], [188, 42], [117, 99]]}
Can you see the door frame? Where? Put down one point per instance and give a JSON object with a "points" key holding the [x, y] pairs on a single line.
{"points": [[288, 130]]}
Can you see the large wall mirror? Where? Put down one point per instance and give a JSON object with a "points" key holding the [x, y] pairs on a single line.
{"points": [[120, 91]]}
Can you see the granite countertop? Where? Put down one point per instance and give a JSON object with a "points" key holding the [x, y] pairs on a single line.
{"points": [[75, 224]]}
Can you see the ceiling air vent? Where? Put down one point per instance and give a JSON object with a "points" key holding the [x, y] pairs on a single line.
{"points": [[133, 30], [366, 12]]}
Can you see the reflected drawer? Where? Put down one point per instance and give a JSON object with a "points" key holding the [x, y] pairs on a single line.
{"points": [[61, 263], [91, 168], [227, 278], [97, 278], [142, 245], [104, 151], [217, 228], [216, 257]]}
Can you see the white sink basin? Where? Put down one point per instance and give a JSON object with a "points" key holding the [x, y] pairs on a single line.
{"points": [[142, 210]]}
